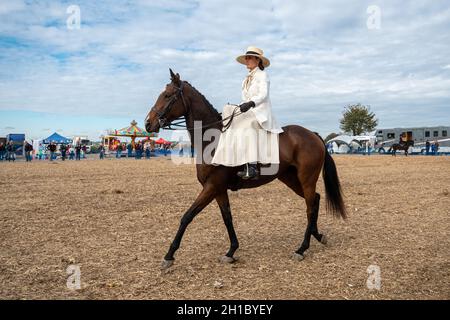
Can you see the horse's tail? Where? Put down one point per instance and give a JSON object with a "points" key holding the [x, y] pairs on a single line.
{"points": [[335, 202], [389, 150]]}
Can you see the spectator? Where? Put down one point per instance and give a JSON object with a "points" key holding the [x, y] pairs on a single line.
{"points": [[130, 150], [52, 148], [436, 147], [119, 151], [368, 147], [101, 149], [10, 152], [78, 151], [40, 153], [71, 153], [147, 150], [2, 151], [330, 147], [427, 147], [63, 150], [140, 150], [84, 149], [28, 150]]}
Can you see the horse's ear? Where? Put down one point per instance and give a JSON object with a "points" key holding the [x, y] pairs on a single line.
{"points": [[175, 78], [172, 75]]}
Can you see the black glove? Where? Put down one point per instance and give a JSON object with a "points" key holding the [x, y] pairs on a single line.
{"points": [[246, 106]]}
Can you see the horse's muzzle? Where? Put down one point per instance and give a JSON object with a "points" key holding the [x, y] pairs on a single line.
{"points": [[151, 128]]}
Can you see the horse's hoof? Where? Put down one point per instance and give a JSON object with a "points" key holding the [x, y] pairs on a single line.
{"points": [[226, 259], [166, 264], [298, 256], [324, 239]]}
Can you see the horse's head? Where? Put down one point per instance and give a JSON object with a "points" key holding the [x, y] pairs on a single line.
{"points": [[169, 106]]}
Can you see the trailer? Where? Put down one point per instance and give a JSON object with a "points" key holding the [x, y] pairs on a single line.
{"points": [[418, 135]]}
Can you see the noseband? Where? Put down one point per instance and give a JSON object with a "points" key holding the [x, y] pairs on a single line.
{"points": [[162, 114]]}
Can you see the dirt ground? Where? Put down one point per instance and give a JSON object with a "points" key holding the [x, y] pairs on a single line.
{"points": [[115, 219]]}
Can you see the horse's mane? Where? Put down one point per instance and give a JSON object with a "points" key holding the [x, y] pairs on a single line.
{"points": [[207, 103]]}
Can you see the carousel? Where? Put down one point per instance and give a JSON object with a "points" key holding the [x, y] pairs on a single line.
{"points": [[110, 141]]}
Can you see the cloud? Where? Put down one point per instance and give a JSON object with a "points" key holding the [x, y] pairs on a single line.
{"points": [[323, 57]]}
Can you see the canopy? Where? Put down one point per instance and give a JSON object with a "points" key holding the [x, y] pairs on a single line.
{"points": [[57, 138], [132, 131], [348, 140], [162, 141]]}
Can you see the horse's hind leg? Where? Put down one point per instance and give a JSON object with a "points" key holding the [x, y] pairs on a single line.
{"points": [[312, 209], [224, 204], [312, 202], [314, 217]]}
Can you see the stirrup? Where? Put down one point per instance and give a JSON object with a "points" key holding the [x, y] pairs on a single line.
{"points": [[250, 172]]}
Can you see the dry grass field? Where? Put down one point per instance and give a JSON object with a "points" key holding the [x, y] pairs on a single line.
{"points": [[116, 218]]}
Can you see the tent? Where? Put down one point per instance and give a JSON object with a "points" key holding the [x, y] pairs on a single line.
{"points": [[57, 138], [162, 141]]}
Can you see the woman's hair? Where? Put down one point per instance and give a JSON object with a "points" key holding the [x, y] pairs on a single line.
{"points": [[260, 64]]}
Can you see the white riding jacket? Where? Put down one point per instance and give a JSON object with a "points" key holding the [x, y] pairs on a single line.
{"points": [[255, 87]]}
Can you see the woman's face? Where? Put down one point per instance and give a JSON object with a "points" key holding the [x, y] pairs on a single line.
{"points": [[251, 62]]}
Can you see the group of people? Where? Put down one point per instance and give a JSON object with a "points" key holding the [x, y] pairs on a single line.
{"points": [[7, 151], [71, 152], [140, 149], [434, 148]]}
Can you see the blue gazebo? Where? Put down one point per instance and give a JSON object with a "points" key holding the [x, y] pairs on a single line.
{"points": [[57, 138]]}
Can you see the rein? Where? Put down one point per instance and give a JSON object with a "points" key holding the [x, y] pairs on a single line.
{"points": [[181, 121]]}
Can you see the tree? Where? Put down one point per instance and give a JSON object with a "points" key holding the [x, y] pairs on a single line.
{"points": [[358, 119], [331, 136]]}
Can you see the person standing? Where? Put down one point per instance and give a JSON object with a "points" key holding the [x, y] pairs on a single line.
{"points": [[40, 152], [436, 147], [427, 147], [52, 148], [28, 150], [2, 151], [10, 152], [78, 151], [147, 150], [138, 150], [119, 151], [84, 149], [102, 151], [63, 150], [71, 153], [130, 150]]}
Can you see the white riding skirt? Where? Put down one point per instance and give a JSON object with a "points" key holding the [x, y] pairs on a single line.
{"points": [[245, 141]]}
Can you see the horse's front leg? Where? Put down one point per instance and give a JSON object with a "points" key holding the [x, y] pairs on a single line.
{"points": [[204, 198], [224, 204]]}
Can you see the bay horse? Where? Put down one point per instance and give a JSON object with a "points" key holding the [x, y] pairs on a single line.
{"points": [[302, 155], [403, 146]]}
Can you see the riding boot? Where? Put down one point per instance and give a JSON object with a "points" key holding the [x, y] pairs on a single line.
{"points": [[250, 172]]}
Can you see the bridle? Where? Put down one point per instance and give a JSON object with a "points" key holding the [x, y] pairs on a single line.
{"points": [[162, 114]]}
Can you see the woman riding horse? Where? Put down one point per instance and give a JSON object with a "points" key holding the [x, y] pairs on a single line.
{"points": [[301, 154], [249, 135]]}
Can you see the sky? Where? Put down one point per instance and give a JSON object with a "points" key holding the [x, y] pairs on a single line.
{"points": [[101, 71]]}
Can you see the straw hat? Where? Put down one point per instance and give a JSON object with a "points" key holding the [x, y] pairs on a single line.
{"points": [[256, 52]]}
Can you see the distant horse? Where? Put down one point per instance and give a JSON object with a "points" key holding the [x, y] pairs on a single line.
{"points": [[302, 154], [404, 146]]}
